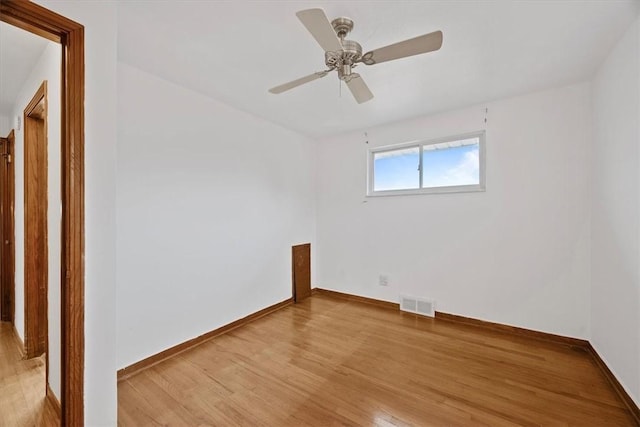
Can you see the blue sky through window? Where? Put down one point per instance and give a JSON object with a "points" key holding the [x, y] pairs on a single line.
{"points": [[443, 167], [451, 166], [397, 169]]}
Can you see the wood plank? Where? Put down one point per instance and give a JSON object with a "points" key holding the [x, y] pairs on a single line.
{"points": [[335, 361], [620, 391], [356, 298], [23, 397], [179, 348], [53, 404], [514, 330]]}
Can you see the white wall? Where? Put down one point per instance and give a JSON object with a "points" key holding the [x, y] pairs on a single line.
{"points": [[47, 68], [516, 254], [6, 125], [210, 201], [615, 289], [99, 20]]}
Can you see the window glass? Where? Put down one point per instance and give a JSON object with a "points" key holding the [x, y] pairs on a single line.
{"points": [[396, 169], [445, 165], [451, 163]]}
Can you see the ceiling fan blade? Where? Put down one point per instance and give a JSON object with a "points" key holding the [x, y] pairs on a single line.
{"points": [[415, 46], [295, 83], [320, 28], [359, 88]]}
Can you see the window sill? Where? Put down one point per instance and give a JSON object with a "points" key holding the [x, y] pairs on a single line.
{"points": [[423, 191]]}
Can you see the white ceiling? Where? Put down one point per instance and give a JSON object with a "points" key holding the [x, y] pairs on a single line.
{"points": [[19, 53], [235, 51]]}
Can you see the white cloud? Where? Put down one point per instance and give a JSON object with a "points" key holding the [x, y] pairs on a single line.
{"points": [[466, 172]]}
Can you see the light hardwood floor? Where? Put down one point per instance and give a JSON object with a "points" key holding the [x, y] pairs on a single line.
{"points": [[331, 362], [22, 386]]}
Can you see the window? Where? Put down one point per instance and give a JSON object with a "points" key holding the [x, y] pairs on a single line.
{"points": [[453, 164]]}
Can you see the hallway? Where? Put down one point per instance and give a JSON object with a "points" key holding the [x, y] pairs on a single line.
{"points": [[22, 386]]}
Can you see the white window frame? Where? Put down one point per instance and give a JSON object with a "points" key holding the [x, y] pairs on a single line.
{"points": [[481, 135]]}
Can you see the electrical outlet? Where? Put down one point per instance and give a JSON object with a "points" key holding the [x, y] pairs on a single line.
{"points": [[383, 280]]}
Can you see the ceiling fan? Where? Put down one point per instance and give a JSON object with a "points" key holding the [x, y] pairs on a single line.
{"points": [[343, 55]]}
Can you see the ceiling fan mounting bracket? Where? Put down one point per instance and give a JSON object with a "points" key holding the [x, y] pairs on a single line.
{"points": [[342, 26]]}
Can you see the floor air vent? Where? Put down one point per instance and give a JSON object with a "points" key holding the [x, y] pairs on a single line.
{"points": [[417, 305]]}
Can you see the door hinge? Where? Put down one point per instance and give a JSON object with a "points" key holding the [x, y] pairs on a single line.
{"points": [[68, 274]]}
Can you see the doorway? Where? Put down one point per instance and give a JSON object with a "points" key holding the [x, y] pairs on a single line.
{"points": [[7, 225], [35, 225], [42, 22], [301, 265]]}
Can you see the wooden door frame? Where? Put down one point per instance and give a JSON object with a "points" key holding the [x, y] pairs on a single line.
{"points": [[45, 23], [36, 271], [7, 242]]}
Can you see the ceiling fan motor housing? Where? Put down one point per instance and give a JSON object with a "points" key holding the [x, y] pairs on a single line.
{"points": [[343, 61], [351, 51]]}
